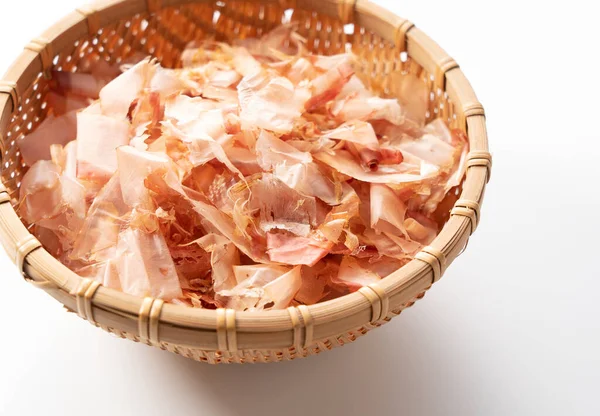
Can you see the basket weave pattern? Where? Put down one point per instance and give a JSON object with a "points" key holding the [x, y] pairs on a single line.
{"points": [[387, 47]]}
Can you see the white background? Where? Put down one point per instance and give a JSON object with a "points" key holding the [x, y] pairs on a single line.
{"points": [[512, 329]]}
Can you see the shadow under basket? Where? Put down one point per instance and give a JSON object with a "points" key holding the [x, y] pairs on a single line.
{"points": [[388, 48]]}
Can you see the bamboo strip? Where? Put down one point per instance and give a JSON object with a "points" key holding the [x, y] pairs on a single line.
{"points": [[43, 48], [400, 37], [342, 10], [91, 18], [153, 5]]}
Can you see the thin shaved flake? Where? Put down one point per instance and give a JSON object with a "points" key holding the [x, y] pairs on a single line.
{"points": [[117, 96], [384, 218], [387, 246], [430, 149], [294, 250], [309, 180], [258, 275], [338, 219], [105, 218], [281, 207], [368, 108], [63, 103], [422, 231], [104, 272], [224, 257], [327, 86], [134, 167], [199, 136], [414, 96], [300, 70], [282, 290], [273, 152], [225, 78], [315, 281], [54, 130], [280, 39], [244, 159], [352, 275], [98, 137], [270, 102], [343, 162], [145, 266], [184, 109], [266, 287], [244, 62], [359, 132], [222, 222], [77, 83], [40, 194], [166, 82]]}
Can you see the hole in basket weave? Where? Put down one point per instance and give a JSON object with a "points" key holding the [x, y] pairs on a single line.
{"points": [[216, 16]]}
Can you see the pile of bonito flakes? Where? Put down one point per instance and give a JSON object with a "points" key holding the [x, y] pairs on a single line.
{"points": [[257, 176]]}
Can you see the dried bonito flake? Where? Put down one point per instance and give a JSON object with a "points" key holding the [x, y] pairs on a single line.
{"points": [[257, 176]]}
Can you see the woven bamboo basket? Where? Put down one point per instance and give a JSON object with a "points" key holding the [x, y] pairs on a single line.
{"points": [[388, 48]]}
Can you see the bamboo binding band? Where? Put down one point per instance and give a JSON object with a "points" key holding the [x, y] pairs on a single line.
{"points": [[301, 318], [144, 317], [469, 209], [481, 159], [43, 47], [149, 319], [296, 327], [23, 249], [443, 67], [4, 196], [10, 88], [308, 325], [154, 320], [92, 18], [380, 302], [226, 330], [435, 259], [473, 109], [83, 295], [400, 35], [153, 5]]}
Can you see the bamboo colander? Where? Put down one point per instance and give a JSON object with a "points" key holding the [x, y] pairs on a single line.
{"points": [[388, 48]]}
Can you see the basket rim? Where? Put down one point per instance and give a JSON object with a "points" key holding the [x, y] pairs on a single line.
{"points": [[221, 330]]}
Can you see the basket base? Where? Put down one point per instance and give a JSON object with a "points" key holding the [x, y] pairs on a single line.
{"points": [[265, 356]]}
